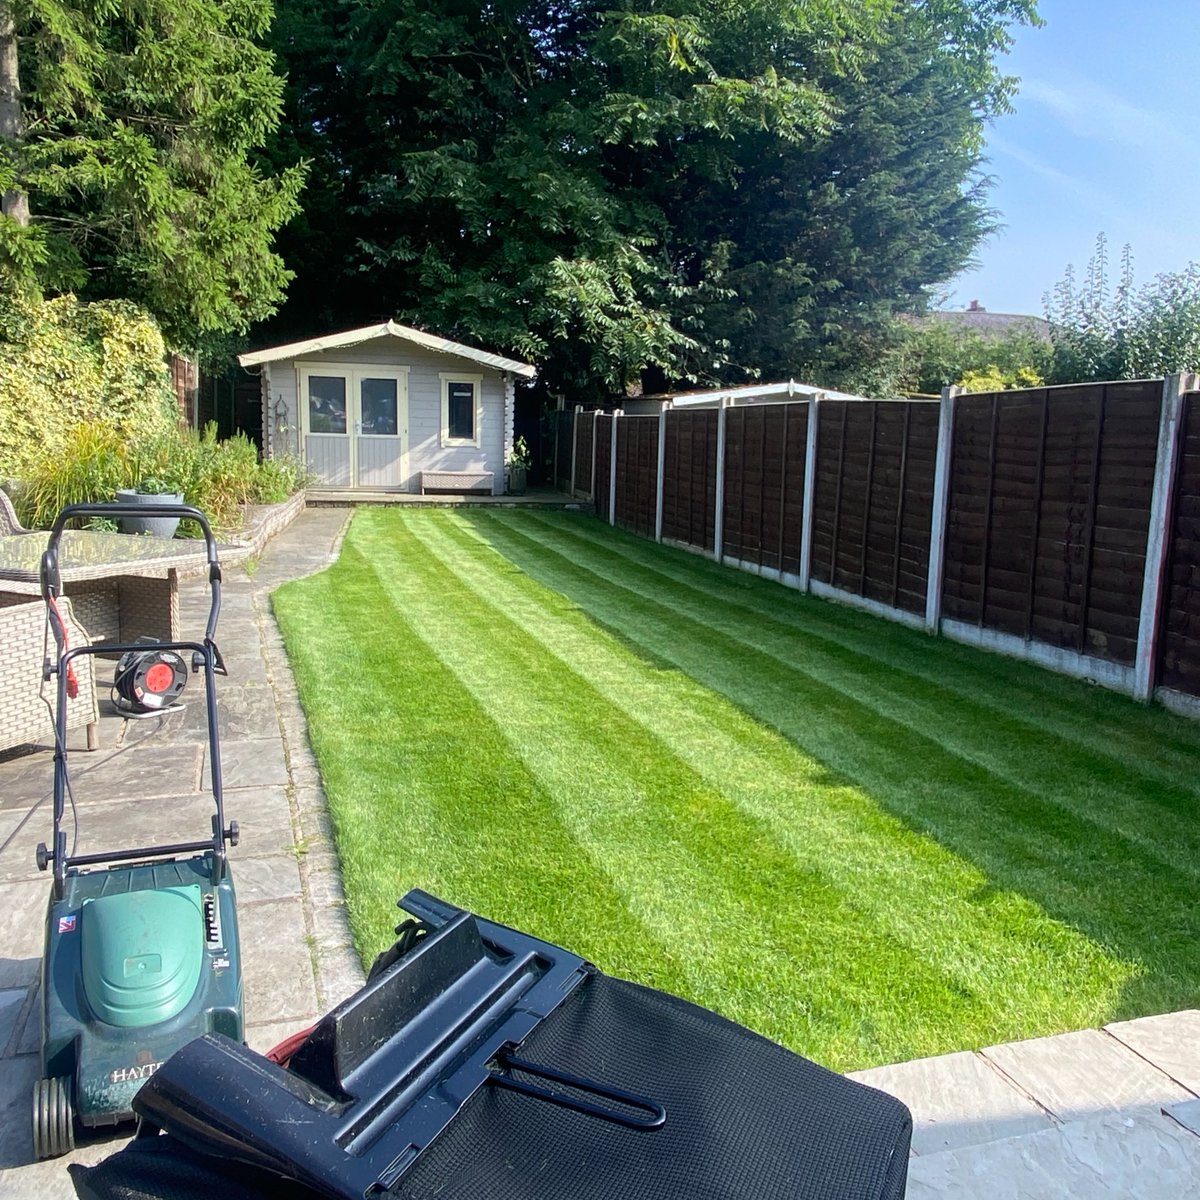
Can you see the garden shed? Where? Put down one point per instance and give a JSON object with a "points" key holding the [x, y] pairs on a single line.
{"points": [[390, 408]]}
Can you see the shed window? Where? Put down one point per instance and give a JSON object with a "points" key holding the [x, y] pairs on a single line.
{"points": [[326, 404], [460, 409]]}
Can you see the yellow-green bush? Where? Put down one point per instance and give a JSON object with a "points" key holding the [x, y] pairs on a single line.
{"points": [[64, 363], [94, 462]]}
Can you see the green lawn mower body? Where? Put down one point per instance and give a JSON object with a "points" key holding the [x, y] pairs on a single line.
{"points": [[139, 960], [141, 951]]}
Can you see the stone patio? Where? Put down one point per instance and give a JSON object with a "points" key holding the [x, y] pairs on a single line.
{"points": [[1093, 1115]]}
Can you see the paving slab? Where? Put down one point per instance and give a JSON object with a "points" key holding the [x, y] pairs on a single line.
{"points": [[1171, 1042], [277, 962], [250, 763], [1187, 1114], [22, 925], [267, 877], [1074, 1075], [12, 1001], [1105, 1157], [957, 1100]]}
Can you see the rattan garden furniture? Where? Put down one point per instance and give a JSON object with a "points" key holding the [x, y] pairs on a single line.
{"points": [[9, 524], [25, 715], [123, 587]]}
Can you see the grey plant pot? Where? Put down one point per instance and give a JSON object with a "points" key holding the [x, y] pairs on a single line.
{"points": [[163, 527], [516, 481]]}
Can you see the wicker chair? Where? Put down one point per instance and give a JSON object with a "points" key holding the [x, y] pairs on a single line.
{"points": [[8, 518], [24, 716]]}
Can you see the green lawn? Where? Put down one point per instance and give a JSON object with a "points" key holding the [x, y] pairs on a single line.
{"points": [[865, 843]]}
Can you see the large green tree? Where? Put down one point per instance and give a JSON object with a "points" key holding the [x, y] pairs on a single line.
{"points": [[709, 187], [129, 131]]}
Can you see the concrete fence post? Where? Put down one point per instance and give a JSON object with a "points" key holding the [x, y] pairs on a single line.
{"points": [[595, 424], [719, 513], [1158, 537], [810, 491], [941, 509], [575, 444], [662, 460], [612, 469]]}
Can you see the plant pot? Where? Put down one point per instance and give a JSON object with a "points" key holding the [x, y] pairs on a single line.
{"points": [[163, 527], [516, 481]]}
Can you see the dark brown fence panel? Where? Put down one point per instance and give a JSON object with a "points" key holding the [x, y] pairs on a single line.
{"points": [[910, 566], [1049, 509], [637, 473], [689, 478], [603, 465], [564, 423], [1179, 641], [583, 452], [873, 499], [764, 484]]}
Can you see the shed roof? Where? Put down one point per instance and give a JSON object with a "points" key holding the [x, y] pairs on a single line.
{"points": [[352, 337]]}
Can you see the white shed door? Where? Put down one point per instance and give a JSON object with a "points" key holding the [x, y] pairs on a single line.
{"points": [[355, 424]]}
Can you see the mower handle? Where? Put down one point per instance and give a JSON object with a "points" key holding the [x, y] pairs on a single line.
{"points": [[51, 578]]}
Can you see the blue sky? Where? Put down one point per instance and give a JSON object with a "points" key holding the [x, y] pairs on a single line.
{"points": [[1106, 136]]}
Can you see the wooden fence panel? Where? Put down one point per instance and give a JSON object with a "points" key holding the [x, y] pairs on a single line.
{"points": [[583, 453], [872, 504], [764, 484], [1179, 642], [564, 423], [690, 478], [637, 471], [1049, 510], [603, 464]]}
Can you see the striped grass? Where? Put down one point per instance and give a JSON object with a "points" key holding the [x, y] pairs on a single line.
{"points": [[865, 843]]}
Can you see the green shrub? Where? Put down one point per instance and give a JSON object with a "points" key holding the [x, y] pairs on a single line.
{"points": [[92, 463], [214, 476], [64, 363]]}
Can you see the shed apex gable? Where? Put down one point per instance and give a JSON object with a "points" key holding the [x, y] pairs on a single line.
{"points": [[352, 337]]}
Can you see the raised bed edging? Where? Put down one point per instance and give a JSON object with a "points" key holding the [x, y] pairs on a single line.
{"points": [[263, 522]]}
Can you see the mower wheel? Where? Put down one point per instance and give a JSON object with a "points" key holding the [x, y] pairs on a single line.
{"points": [[53, 1118]]}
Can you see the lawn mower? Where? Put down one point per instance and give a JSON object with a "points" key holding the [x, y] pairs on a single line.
{"points": [[141, 952]]}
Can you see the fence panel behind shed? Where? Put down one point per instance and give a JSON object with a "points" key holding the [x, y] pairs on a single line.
{"points": [[690, 478]]}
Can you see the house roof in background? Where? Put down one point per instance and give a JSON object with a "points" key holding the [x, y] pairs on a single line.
{"points": [[369, 333], [993, 324]]}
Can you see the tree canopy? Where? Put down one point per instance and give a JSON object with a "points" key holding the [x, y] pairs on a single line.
{"points": [[712, 187], [129, 131]]}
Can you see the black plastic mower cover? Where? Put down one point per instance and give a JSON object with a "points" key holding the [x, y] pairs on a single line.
{"points": [[489, 1065]]}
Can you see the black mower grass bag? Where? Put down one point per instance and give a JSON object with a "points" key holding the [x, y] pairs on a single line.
{"points": [[539, 1078]]}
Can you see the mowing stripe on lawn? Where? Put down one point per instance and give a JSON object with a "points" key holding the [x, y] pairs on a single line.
{"points": [[664, 838], [837, 831], [1110, 793], [1001, 684]]}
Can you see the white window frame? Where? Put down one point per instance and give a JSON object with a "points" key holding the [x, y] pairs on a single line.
{"points": [[476, 381]]}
